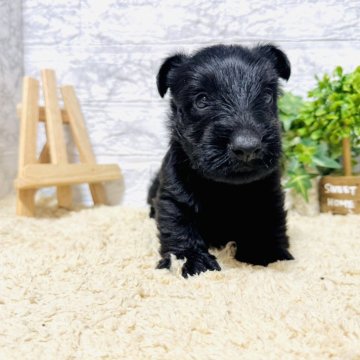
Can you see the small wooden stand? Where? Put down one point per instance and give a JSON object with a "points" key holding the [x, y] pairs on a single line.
{"points": [[52, 167]]}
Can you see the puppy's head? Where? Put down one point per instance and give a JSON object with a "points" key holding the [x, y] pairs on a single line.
{"points": [[224, 109]]}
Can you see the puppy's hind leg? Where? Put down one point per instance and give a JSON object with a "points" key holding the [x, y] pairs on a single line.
{"points": [[152, 194], [269, 242]]}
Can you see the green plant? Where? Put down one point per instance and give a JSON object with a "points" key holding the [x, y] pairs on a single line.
{"points": [[314, 130], [303, 157], [334, 112]]}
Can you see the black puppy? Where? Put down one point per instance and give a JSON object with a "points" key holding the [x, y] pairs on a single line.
{"points": [[220, 179]]}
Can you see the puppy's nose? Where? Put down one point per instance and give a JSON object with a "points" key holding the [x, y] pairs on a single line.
{"points": [[246, 147]]}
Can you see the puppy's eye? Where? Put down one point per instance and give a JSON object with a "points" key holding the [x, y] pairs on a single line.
{"points": [[201, 101], [268, 98]]}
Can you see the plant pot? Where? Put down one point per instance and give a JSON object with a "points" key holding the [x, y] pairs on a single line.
{"points": [[340, 194]]}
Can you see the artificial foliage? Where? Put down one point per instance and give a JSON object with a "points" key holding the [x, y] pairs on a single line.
{"points": [[313, 130]]}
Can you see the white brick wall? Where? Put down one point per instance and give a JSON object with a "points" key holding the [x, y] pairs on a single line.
{"points": [[111, 50], [11, 66]]}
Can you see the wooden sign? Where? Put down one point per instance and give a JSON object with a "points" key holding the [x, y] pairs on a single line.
{"points": [[340, 194], [52, 168]]}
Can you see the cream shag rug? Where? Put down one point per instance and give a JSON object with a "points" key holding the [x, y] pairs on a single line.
{"points": [[82, 285]]}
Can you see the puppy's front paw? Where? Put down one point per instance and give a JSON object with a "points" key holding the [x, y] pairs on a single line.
{"points": [[197, 263], [282, 254], [164, 263]]}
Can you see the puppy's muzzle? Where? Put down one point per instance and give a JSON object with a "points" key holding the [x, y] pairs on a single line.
{"points": [[246, 147]]}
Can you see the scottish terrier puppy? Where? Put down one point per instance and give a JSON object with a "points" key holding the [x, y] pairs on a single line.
{"points": [[220, 179]]}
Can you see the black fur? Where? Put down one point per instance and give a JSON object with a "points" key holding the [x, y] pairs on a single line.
{"points": [[220, 179]]}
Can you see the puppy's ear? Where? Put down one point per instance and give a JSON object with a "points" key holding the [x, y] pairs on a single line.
{"points": [[163, 76], [278, 58]]}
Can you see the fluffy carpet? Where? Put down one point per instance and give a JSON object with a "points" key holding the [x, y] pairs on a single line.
{"points": [[82, 285]]}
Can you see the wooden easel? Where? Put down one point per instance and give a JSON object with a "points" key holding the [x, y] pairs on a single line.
{"points": [[52, 167]]}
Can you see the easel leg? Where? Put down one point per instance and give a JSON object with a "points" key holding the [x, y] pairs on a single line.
{"points": [[64, 197], [98, 194], [25, 202], [44, 157], [55, 134], [64, 194], [25, 199], [81, 138]]}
